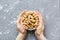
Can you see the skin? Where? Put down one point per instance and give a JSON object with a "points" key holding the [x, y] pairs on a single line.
{"points": [[22, 32], [40, 29]]}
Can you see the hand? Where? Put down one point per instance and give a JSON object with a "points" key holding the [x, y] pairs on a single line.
{"points": [[21, 29], [40, 29]]}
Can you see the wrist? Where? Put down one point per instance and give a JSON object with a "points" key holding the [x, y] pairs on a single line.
{"points": [[41, 37], [21, 36]]}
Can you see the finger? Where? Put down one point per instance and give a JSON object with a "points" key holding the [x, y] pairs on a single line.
{"points": [[38, 13], [41, 22], [40, 18], [18, 24], [39, 31], [22, 13], [40, 28], [41, 25], [19, 19], [20, 27], [19, 16]]}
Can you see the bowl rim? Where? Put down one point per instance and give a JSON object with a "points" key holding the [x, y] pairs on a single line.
{"points": [[31, 29]]}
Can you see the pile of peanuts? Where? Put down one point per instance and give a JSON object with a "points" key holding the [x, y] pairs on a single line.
{"points": [[30, 20]]}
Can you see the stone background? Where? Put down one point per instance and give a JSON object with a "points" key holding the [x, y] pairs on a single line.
{"points": [[9, 10]]}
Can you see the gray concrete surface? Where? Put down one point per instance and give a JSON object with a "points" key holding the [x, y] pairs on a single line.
{"points": [[9, 10]]}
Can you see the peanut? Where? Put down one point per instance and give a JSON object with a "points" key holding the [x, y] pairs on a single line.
{"points": [[30, 20]]}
